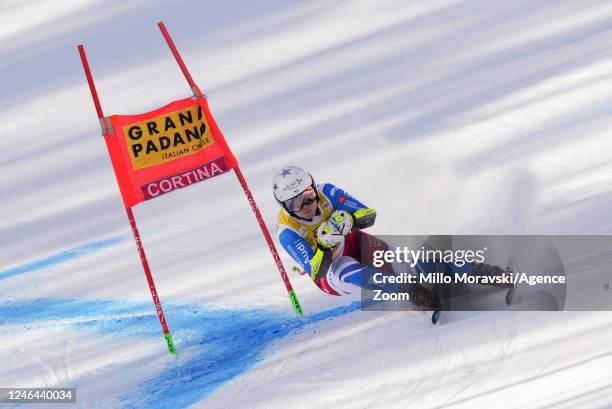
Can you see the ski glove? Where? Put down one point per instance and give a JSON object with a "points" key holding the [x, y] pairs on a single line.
{"points": [[364, 218], [328, 236], [332, 230], [342, 221]]}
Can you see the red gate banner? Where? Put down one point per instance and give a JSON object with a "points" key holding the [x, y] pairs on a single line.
{"points": [[166, 149]]}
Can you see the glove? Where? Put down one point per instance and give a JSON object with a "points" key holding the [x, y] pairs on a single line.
{"points": [[364, 218], [342, 221], [331, 231], [328, 236]]}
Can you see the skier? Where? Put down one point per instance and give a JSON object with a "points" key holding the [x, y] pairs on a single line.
{"points": [[320, 226]]}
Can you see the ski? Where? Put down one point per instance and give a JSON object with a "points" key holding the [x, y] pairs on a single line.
{"points": [[435, 317]]}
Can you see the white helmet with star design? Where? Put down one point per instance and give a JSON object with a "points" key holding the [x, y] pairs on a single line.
{"points": [[289, 182]]}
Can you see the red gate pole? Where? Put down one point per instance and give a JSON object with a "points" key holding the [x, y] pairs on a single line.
{"points": [[130, 214], [279, 264]]}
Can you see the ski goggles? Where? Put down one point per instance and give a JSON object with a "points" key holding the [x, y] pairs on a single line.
{"points": [[295, 204]]}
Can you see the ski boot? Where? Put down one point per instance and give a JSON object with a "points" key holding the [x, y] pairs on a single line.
{"points": [[423, 297]]}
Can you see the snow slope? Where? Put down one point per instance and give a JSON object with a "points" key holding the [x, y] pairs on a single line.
{"points": [[448, 117]]}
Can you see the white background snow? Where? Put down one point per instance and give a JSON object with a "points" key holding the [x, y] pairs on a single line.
{"points": [[448, 117]]}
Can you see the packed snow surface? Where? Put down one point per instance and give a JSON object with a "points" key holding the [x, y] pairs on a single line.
{"points": [[448, 117]]}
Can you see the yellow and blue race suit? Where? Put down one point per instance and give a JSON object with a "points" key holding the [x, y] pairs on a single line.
{"points": [[298, 238]]}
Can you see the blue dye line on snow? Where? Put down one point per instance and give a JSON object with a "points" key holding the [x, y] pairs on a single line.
{"points": [[66, 255], [221, 344]]}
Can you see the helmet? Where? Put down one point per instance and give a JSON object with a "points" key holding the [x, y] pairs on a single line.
{"points": [[289, 182]]}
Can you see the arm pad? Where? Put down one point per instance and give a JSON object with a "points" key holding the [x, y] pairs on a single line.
{"points": [[320, 263]]}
